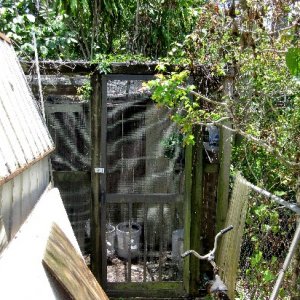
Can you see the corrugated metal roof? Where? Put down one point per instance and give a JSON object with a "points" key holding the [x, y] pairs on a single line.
{"points": [[24, 137]]}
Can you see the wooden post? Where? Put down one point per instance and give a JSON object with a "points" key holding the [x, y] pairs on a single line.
{"points": [[196, 209], [225, 149], [230, 246], [96, 253], [187, 214], [193, 211]]}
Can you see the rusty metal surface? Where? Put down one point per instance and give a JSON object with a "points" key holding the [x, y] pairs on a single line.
{"points": [[24, 138]]}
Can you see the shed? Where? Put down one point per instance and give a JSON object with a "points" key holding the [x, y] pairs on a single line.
{"points": [[112, 166], [24, 148]]}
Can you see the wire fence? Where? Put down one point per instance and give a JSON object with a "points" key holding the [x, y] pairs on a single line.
{"points": [[268, 233]]}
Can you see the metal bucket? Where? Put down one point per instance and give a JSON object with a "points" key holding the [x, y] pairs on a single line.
{"points": [[128, 239], [110, 236]]}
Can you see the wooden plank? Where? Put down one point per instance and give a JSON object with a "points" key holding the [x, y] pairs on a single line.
{"points": [[5, 38], [59, 67], [71, 176], [224, 176], [96, 249], [3, 236], [68, 267], [196, 210], [230, 247], [22, 274], [142, 198], [225, 149], [149, 290], [187, 214]]}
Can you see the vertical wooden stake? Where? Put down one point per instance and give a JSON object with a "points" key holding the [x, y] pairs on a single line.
{"points": [[193, 211], [96, 252], [187, 214], [225, 149], [196, 209]]}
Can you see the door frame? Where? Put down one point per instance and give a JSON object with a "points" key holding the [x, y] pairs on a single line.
{"points": [[99, 197]]}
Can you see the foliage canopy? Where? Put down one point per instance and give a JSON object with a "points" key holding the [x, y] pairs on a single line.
{"points": [[256, 41], [250, 51]]}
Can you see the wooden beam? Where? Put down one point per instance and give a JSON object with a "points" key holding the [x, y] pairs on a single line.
{"points": [[146, 290], [96, 250], [22, 274], [187, 214], [229, 250], [193, 211], [225, 149], [196, 209], [68, 267]]}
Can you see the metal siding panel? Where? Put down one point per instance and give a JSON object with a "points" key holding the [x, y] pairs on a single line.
{"points": [[16, 213], [24, 135], [20, 99], [26, 188], [9, 136], [32, 176], [44, 174], [8, 159], [23, 96], [43, 133], [6, 207], [10, 108]]}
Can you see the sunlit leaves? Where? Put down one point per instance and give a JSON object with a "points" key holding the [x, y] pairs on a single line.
{"points": [[293, 61], [18, 19]]}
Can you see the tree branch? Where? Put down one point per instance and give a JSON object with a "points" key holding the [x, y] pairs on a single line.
{"points": [[198, 95], [263, 144]]}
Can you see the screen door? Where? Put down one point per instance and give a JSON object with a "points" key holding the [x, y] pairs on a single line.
{"points": [[143, 187]]}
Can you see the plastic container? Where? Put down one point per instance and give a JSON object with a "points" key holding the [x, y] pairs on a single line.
{"points": [[128, 241], [177, 244], [110, 236], [213, 135]]}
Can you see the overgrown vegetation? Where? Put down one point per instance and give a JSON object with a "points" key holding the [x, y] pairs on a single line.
{"points": [[252, 44], [76, 29], [250, 51], [267, 236], [251, 41]]}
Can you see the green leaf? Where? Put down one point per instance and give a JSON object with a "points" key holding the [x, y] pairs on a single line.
{"points": [[293, 61], [73, 6], [44, 50], [280, 193], [256, 259], [268, 276], [31, 18]]}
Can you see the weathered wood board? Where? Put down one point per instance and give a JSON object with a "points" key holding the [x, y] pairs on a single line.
{"points": [[22, 273], [228, 255], [68, 267]]}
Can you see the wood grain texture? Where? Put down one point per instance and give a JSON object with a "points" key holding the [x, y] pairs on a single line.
{"points": [[230, 246], [68, 267]]}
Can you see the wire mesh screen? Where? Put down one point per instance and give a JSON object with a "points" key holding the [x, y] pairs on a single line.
{"points": [[268, 234], [68, 123], [144, 158], [75, 193], [152, 253], [143, 146]]}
